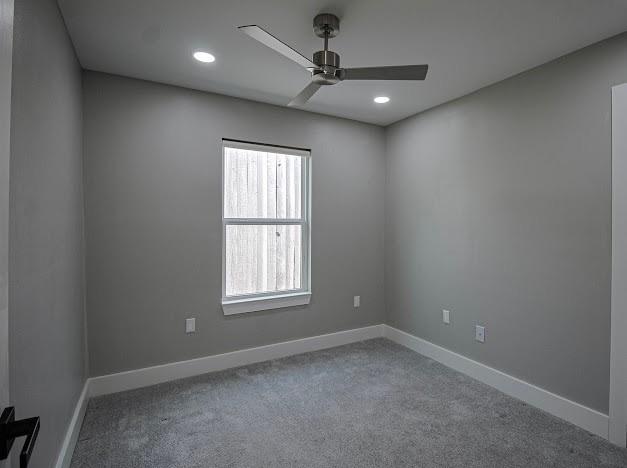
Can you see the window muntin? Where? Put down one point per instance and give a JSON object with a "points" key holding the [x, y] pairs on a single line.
{"points": [[266, 232]]}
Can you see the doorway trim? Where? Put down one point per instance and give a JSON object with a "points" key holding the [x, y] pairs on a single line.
{"points": [[618, 348]]}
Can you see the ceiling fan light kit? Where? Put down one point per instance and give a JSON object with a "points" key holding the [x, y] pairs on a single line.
{"points": [[325, 64]]}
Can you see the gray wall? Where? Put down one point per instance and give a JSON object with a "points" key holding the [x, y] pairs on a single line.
{"points": [[154, 228], [6, 51], [46, 303], [498, 208]]}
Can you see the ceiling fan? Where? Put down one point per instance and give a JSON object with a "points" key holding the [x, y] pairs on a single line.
{"points": [[325, 66]]}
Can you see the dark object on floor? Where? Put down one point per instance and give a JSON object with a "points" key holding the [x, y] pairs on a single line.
{"points": [[368, 404]]}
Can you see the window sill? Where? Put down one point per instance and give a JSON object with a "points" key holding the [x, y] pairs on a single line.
{"points": [[242, 306]]}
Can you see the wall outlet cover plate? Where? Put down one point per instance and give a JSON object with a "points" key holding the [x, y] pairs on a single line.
{"points": [[480, 333], [446, 316]]}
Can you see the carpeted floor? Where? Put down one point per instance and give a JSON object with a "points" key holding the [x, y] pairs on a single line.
{"points": [[369, 404]]}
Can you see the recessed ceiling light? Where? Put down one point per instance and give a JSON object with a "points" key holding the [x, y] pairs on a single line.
{"points": [[205, 57], [381, 99]]}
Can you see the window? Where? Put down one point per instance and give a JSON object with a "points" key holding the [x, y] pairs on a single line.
{"points": [[265, 220]]}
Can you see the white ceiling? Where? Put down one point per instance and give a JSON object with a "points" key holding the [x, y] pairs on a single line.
{"points": [[468, 44]]}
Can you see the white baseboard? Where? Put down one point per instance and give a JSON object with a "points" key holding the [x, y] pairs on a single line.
{"points": [[177, 370], [71, 436], [575, 413]]}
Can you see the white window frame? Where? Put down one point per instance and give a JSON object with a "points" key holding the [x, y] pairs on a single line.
{"points": [[274, 299]]}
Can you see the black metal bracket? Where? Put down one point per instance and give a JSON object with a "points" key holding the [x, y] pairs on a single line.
{"points": [[10, 429]]}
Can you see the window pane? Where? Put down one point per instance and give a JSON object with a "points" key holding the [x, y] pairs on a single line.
{"points": [[262, 258], [258, 184]]}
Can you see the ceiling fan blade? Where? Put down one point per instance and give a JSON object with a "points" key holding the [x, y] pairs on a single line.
{"points": [[305, 95], [404, 72], [269, 40]]}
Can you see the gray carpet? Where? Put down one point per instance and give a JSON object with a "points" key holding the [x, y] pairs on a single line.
{"points": [[369, 404]]}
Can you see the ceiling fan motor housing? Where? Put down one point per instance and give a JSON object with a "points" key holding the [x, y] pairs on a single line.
{"points": [[329, 62]]}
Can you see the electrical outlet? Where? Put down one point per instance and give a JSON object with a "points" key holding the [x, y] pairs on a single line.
{"points": [[480, 333], [446, 316], [190, 325], [356, 301]]}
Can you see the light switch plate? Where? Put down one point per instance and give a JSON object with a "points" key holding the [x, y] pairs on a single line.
{"points": [[480, 333], [190, 325], [356, 301], [446, 316]]}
